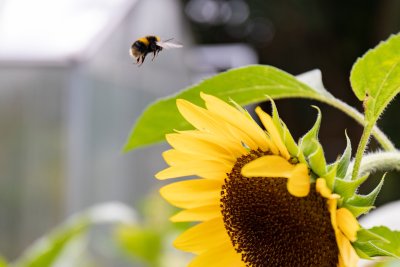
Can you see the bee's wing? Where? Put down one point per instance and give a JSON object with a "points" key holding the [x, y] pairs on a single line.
{"points": [[169, 45]]}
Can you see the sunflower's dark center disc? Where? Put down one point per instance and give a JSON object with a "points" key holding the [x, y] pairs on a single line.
{"points": [[270, 227]]}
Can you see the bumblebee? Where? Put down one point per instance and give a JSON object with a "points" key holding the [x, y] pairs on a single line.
{"points": [[149, 44]]}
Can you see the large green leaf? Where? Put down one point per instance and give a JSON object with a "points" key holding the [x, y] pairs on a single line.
{"points": [[375, 77], [378, 241], [46, 251], [244, 85]]}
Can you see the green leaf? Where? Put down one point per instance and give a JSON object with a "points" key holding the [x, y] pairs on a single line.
{"points": [[367, 235], [245, 86], [362, 254], [45, 251], [375, 77], [383, 242]]}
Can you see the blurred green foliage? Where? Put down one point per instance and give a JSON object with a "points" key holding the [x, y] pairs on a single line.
{"points": [[145, 244], [150, 240], [3, 262], [66, 245]]}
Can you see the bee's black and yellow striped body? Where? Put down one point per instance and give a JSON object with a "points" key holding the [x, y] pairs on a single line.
{"points": [[144, 46], [149, 44]]}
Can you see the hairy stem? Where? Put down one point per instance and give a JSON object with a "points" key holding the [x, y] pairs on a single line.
{"points": [[361, 148], [380, 137], [379, 161]]}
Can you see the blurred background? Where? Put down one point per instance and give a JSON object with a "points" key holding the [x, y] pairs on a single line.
{"points": [[70, 93]]}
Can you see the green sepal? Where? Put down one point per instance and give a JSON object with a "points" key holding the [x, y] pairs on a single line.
{"points": [[276, 118], [285, 134], [347, 188], [307, 144], [344, 160], [367, 200], [378, 241], [317, 159], [330, 175], [356, 210], [313, 150], [291, 145]]}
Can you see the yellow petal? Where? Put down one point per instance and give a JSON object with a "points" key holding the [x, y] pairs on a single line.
{"points": [[173, 172], [268, 166], [346, 250], [200, 118], [193, 193], [341, 263], [203, 236], [236, 119], [202, 168], [347, 223], [221, 256], [194, 146], [231, 146], [242, 137], [206, 121], [347, 255], [275, 136], [322, 188], [299, 182], [203, 213], [332, 205], [175, 157]]}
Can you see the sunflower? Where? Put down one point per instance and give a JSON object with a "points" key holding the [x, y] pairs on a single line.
{"points": [[257, 204]]}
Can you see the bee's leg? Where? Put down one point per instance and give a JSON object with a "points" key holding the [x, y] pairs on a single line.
{"points": [[139, 61], [155, 53], [144, 57]]}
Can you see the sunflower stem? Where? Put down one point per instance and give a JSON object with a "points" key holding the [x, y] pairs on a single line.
{"points": [[379, 161], [380, 136], [361, 148]]}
